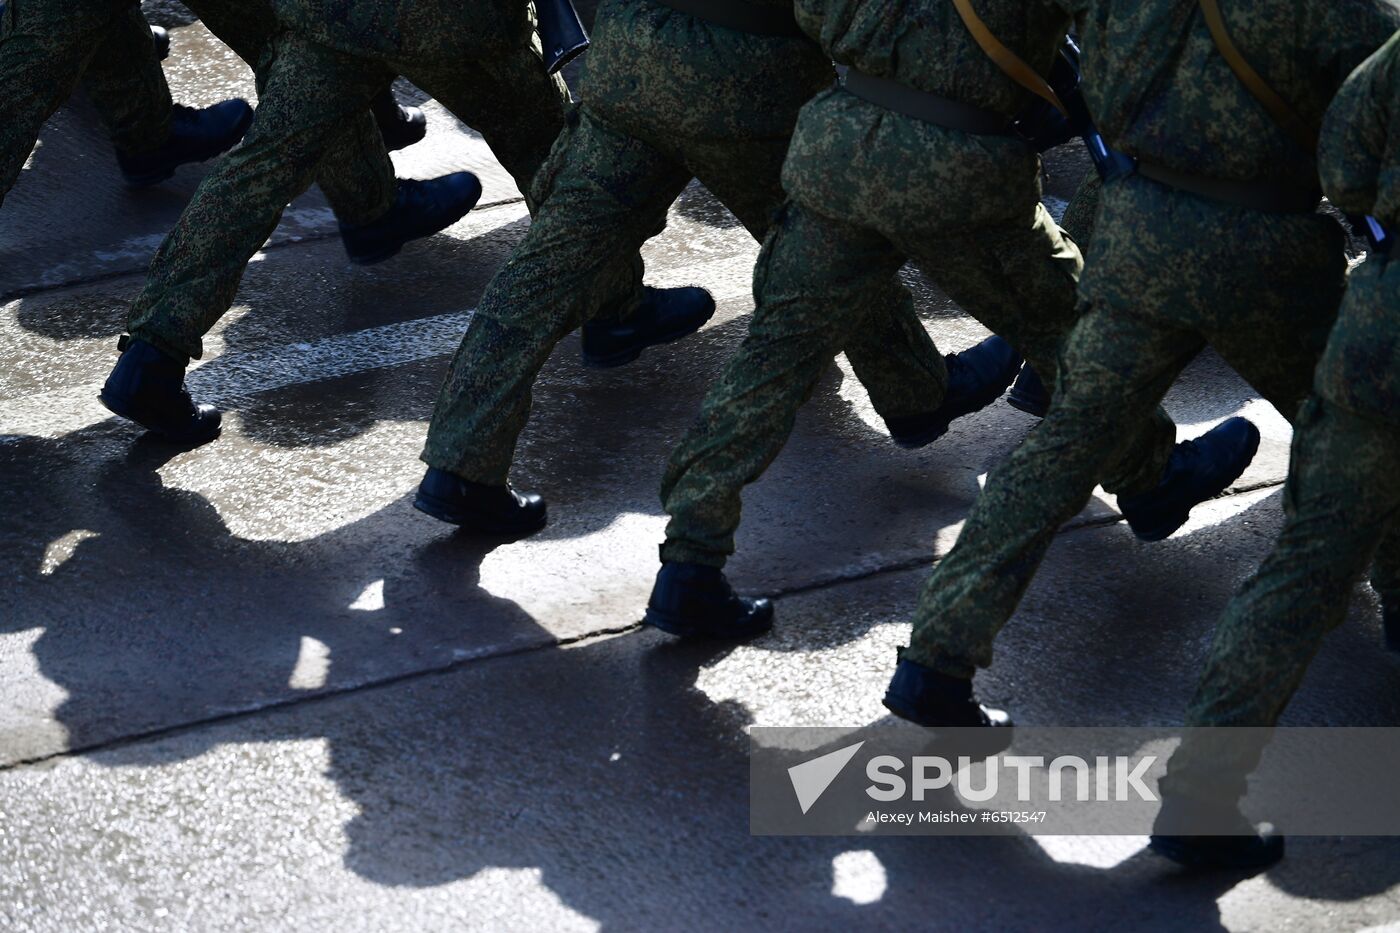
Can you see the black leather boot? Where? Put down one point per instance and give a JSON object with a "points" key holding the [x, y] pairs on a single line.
{"points": [[160, 38], [491, 509], [696, 601], [400, 126], [976, 378], [1029, 394], [195, 135], [665, 314], [1245, 848], [420, 209], [147, 386], [927, 698], [1198, 470]]}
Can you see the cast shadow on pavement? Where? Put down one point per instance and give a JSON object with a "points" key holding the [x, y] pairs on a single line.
{"points": [[603, 767]]}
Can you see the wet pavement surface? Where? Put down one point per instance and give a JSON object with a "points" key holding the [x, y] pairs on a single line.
{"points": [[249, 686]]}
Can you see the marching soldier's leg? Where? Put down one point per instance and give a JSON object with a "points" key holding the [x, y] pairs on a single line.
{"points": [[356, 174], [309, 95], [1035, 307], [1141, 328], [1341, 498], [1116, 368], [153, 137], [897, 362], [42, 57], [601, 196], [811, 286], [126, 84], [47, 47], [521, 112], [891, 353]]}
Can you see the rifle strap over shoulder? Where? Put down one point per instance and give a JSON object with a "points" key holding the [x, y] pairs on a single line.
{"points": [[1005, 59], [1284, 115]]}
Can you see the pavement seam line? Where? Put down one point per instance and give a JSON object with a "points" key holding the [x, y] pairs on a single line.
{"points": [[459, 664], [932, 559], [450, 667]]}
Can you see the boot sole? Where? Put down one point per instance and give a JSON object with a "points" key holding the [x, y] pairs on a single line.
{"points": [[623, 357], [669, 624], [431, 505], [908, 715], [1169, 527], [915, 441], [193, 440], [1020, 404]]}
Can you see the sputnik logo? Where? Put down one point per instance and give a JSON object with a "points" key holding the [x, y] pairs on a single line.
{"points": [[811, 778]]}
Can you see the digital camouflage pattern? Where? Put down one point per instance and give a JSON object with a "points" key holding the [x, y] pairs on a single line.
{"points": [[869, 189], [1139, 330], [1360, 162], [1343, 492], [1165, 272], [1160, 91], [1342, 497], [314, 100], [49, 47], [665, 97], [355, 175], [925, 45]]}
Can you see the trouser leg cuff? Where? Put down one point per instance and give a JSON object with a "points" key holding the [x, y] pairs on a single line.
{"points": [[454, 465], [939, 661], [680, 552], [169, 347]]}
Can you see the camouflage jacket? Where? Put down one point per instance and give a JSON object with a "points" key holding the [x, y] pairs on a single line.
{"points": [[472, 29], [1359, 157], [1161, 91], [924, 44], [1360, 166]]}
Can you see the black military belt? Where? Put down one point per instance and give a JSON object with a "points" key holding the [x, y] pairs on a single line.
{"points": [[921, 105], [1258, 196], [741, 16]]}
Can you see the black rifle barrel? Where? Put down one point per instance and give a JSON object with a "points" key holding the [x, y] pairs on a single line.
{"points": [[561, 33]]}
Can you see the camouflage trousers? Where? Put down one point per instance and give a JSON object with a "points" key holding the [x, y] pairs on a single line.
{"points": [[868, 190], [604, 192], [355, 174], [1167, 274], [314, 100], [49, 47], [1341, 502]]}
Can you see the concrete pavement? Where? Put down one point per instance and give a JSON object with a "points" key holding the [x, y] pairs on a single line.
{"points": [[249, 686]]}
